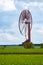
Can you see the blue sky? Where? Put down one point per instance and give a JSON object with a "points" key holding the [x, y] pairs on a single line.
{"points": [[9, 16]]}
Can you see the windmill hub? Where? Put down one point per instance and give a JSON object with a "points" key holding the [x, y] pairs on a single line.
{"points": [[26, 22]]}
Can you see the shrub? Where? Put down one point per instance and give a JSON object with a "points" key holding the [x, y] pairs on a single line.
{"points": [[41, 45], [28, 44], [4, 46]]}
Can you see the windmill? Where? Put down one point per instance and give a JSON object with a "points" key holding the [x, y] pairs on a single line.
{"points": [[25, 24]]}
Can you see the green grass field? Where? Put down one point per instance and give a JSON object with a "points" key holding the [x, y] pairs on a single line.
{"points": [[21, 59], [20, 49]]}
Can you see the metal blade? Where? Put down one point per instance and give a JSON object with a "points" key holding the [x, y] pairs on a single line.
{"points": [[25, 31], [23, 27]]}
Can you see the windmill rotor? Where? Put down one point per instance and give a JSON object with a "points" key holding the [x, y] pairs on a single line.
{"points": [[24, 18]]}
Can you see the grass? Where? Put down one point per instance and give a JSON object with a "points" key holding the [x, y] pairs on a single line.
{"points": [[20, 49], [21, 59]]}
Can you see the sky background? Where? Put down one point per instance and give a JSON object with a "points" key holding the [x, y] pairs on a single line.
{"points": [[9, 16]]}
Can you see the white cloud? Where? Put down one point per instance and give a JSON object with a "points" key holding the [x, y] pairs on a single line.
{"points": [[36, 4], [37, 32], [30, 4], [7, 5], [8, 37], [40, 30]]}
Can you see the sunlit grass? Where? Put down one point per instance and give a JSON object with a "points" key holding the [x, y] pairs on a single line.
{"points": [[20, 49], [21, 59]]}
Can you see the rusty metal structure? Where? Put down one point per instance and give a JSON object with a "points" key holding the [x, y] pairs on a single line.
{"points": [[25, 24]]}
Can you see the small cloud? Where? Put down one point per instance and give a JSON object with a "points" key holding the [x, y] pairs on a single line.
{"points": [[7, 5], [8, 37], [30, 4], [40, 30]]}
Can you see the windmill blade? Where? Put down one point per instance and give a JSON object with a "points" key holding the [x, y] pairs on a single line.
{"points": [[21, 31], [24, 18], [23, 27], [25, 31]]}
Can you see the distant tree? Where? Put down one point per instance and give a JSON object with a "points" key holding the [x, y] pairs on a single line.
{"points": [[41, 45], [4, 46], [28, 44]]}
